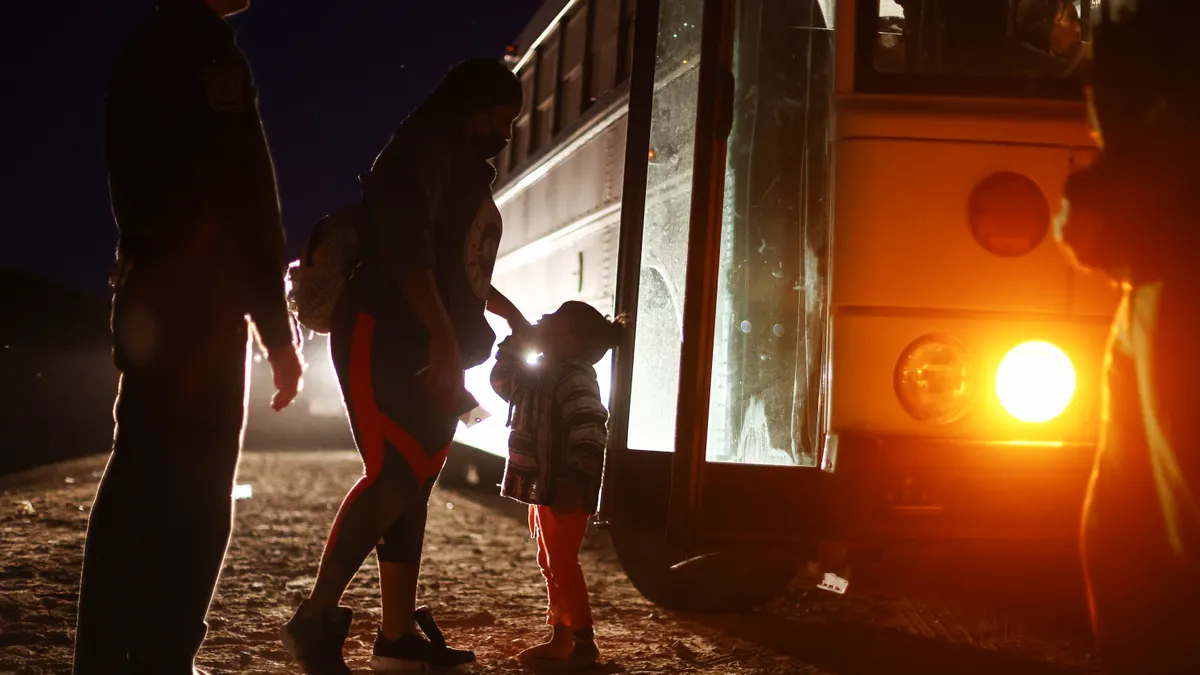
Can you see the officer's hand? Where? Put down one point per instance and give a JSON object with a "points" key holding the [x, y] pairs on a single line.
{"points": [[288, 369]]}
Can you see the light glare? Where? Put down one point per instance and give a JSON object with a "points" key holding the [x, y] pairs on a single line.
{"points": [[1035, 382], [491, 435]]}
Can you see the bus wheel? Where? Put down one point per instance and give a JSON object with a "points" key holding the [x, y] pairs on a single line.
{"points": [[713, 583]]}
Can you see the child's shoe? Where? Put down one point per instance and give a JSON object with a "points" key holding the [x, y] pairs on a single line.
{"points": [[585, 650], [557, 648]]}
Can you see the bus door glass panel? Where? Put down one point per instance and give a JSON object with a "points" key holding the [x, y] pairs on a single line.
{"points": [[770, 315], [655, 383]]}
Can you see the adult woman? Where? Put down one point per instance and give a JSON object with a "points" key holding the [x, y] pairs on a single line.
{"points": [[411, 319]]}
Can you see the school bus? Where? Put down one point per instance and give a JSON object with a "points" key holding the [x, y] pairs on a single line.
{"points": [[853, 330]]}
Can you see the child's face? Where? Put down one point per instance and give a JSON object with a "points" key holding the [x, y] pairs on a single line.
{"points": [[554, 335]]}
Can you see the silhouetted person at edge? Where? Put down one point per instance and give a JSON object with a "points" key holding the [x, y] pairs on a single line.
{"points": [[201, 246], [1131, 215]]}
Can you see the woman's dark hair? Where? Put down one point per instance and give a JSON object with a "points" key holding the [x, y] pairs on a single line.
{"points": [[471, 85], [596, 333]]}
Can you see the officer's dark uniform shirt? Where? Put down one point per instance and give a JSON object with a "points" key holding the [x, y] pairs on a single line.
{"points": [[190, 173]]}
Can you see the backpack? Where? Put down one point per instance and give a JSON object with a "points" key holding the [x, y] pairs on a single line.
{"points": [[317, 280]]}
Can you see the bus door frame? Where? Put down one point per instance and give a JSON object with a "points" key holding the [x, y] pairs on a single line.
{"points": [[739, 495], [621, 475]]}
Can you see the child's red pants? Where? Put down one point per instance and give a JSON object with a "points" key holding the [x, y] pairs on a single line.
{"points": [[559, 537]]}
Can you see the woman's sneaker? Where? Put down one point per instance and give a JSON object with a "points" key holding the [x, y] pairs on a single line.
{"points": [[315, 641], [415, 653]]}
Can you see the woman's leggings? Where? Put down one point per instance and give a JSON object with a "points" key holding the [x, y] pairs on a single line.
{"points": [[402, 438]]}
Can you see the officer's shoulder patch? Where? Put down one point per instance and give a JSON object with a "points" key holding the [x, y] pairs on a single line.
{"points": [[223, 86]]}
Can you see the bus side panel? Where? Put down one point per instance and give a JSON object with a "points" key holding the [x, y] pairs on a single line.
{"points": [[903, 236], [540, 285], [579, 184]]}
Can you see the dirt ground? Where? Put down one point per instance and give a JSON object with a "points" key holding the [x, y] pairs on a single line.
{"points": [[481, 578]]}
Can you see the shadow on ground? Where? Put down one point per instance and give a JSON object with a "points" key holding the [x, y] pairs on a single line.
{"points": [[855, 649]]}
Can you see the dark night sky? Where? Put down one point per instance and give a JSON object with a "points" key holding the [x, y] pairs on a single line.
{"points": [[334, 76]]}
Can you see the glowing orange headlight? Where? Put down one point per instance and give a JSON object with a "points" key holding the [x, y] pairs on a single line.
{"points": [[1035, 382]]}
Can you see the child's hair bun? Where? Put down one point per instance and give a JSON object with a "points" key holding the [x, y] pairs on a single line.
{"points": [[600, 332], [615, 329]]}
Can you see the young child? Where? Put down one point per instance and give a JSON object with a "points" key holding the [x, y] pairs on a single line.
{"points": [[556, 457]]}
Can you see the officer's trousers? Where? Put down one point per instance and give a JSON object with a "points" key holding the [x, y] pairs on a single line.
{"points": [[163, 513], [1141, 530]]}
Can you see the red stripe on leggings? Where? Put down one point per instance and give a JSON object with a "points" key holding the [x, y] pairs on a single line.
{"points": [[374, 427]]}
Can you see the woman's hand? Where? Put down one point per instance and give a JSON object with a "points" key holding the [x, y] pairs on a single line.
{"points": [[519, 326], [444, 377], [524, 340], [504, 308]]}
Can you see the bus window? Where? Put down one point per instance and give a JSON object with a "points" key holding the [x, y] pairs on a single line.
{"points": [[659, 319], [771, 283], [625, 69], [571, 82], [605, 39], [1027, 48], [546, 75]]}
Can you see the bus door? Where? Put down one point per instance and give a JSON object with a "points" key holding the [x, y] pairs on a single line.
{"points": [[717, 419]]}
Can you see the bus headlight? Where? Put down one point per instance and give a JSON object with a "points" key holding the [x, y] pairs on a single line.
{"points": [[933, 379], [1035, 382]]}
